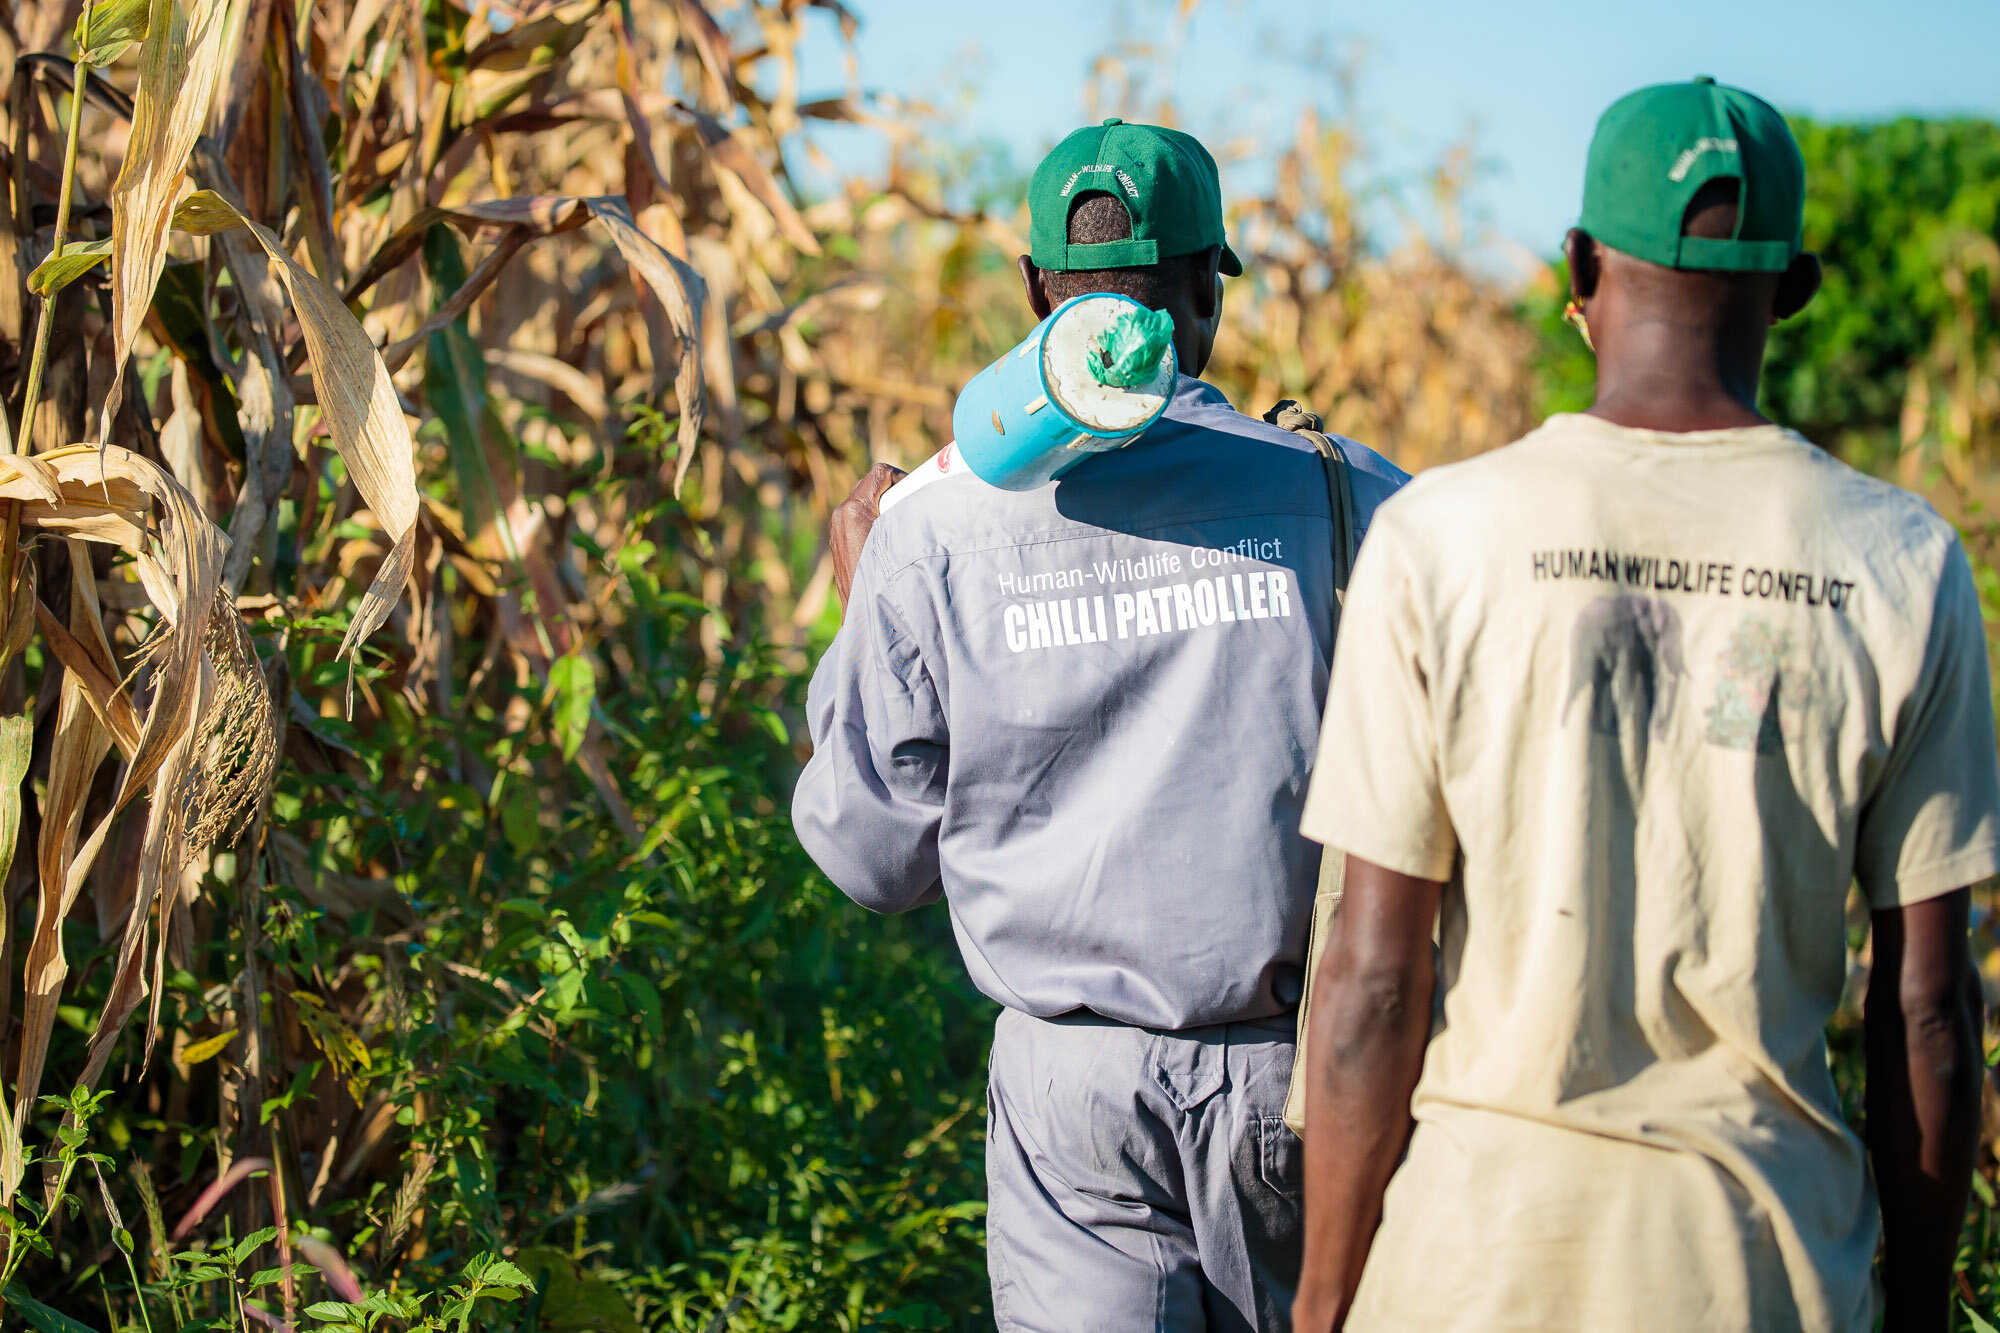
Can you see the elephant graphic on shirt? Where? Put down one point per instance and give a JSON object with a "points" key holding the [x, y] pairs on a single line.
{"points": [[1626, 663]]}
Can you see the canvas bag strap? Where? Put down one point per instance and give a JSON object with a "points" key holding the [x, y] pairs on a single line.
{"points": [[1288, 415], [1326, 897]]}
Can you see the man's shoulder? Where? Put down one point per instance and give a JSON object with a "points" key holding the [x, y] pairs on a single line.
{"points": [[1820, 491], [1202, 461], [1554, 468], [1206, 406], [1850, 493], [1203, 407]]}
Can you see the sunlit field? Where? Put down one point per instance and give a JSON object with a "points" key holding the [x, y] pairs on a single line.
{"points": [[404, 926]]}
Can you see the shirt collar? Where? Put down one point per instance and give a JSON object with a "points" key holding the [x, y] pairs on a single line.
{"points": [[1192, 395]]}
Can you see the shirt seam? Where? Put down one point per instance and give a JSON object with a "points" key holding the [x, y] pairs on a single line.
{"points": [[1608, 432]]}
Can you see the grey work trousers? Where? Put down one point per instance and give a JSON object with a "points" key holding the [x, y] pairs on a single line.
{"points": [[1141, 1180]]}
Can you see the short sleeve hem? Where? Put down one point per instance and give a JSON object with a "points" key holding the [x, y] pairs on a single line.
{"points": [[1934, 879], [1418, 862]]}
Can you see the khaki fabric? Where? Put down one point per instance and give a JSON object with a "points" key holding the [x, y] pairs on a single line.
{"points": [[1650, 703], [1326, 901]]}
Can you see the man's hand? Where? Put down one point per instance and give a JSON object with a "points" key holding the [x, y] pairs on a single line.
{"points": [[847, 531], [1922, 1040], [1371, 1020]]}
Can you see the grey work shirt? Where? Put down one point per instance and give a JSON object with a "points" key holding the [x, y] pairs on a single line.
{"points": [[1087, 713]]}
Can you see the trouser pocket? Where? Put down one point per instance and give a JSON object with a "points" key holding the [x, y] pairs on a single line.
{"points": [[1280, 1157]]}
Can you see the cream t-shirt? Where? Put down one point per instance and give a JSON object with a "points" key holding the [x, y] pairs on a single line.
{"points": [[1651, 703]]}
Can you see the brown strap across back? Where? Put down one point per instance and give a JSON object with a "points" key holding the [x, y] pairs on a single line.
{"points": [[1346, 543]]}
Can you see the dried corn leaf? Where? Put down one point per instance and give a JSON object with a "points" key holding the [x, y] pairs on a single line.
{"points": [[679, 289], [537, 43], [115, 496], [20, 627], [729, 153], [683, 294], [264, 403], [17, 743], [712, 45], [107, 699], [540, 215], [177, 71], [80, 743], [362, 415], [163, 847], [181, 437], [55, 495], [214, 768], [36, 476], [627, 77], [558, 374], [307, 141]]}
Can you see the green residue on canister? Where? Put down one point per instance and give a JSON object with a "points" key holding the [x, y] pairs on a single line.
{"points": [[1128, 353]]}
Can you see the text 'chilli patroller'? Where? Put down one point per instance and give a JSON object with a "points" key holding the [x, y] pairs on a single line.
{"points": [[1091, 377]]}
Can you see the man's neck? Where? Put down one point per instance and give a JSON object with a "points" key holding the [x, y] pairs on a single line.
{"points": [[1679, 375], [1675, 408]]}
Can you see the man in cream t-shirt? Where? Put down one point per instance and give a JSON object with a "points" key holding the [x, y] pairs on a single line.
{"points": [[1626, 707]]}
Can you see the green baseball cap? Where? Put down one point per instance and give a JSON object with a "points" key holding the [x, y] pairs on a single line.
{"points": [[1166, 180], [1654, 148]]}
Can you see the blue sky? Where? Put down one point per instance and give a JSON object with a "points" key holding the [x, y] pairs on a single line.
{"points": [[1524, 82]]}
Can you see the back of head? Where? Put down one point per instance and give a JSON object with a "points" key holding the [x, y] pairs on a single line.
{"points": [[1658, 149], [1714, 213], [1135, 210], [1690, 245], [1153, 194], [1098, 219]]}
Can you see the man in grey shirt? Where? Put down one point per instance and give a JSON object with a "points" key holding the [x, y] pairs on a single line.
{"points": [[1085, 715]]}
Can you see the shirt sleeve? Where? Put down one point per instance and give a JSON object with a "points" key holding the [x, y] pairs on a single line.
{"points": [[1376, 791], [869, 803], [1932, 823]]}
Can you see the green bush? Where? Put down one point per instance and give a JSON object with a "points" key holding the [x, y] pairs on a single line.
{"points": [[1884, 204], [684, 1080], [695, 1062]]}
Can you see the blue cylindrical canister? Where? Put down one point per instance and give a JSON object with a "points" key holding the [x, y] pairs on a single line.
{"points": [[1040, 410]]}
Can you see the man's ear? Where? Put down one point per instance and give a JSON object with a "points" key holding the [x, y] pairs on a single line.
{"points": [[1580, 249], [1796, 286], [1038, 295], [1205, 283]]}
